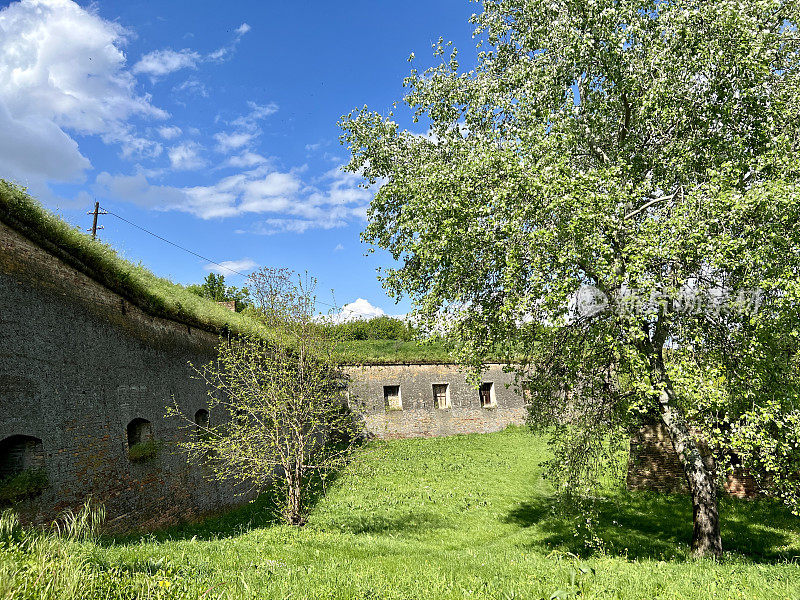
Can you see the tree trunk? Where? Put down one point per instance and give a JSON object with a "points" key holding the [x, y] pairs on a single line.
{"points": [[706, 536]]}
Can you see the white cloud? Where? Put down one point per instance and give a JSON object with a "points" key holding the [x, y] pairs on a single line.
{"points": [[136, 189], [192, 86], [228, 267], [275, 226], [186, 157], [61, 72], [231, 141], [338, 248], [245, 160], [290, 205], [256, 114], [169, 133], [159, 63], [358, 309], [35, 149]]}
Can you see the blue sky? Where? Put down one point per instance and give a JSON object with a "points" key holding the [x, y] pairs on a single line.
{"points": [[212, 124]]}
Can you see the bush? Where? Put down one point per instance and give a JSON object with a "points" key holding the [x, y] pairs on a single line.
{"points": [[143, 451], [377, 328], [25, 484]]}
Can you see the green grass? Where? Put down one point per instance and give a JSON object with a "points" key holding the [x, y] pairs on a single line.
{"points": [[460, 517], [393, 352], [25, 484], [154, 295], [143, 451]]}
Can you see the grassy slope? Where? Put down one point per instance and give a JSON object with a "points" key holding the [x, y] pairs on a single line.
{"points": [[100, 261], [159, 296], [393, 352], [461, 517]]}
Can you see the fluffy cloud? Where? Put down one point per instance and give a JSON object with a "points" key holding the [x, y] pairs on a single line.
{"points": [[163, 62], [359, 309], [228, 267], [289, 204], [245, 160], [36, 149], [136, 189], [231, 141], [186, 157], [169, 133], [62, 72], [257, 112], [192, 86]]}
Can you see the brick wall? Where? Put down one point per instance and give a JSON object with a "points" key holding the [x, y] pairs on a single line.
{"points": [[654, 465]]}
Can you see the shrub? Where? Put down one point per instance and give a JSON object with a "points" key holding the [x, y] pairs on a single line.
{"points": [[23, 485], [143, 451], [377, 328]]}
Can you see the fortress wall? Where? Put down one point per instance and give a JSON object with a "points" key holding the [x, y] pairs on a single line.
{"points": [[419, 414], [654, 465], [77, 364]]}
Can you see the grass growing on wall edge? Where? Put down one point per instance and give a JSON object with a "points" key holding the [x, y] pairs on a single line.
{"points": [[154, 295]]}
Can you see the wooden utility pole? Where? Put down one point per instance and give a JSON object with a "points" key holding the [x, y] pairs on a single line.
{"points": [[95, 212]]}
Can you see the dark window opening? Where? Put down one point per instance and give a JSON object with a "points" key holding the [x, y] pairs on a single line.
{"points": [[441, 395], [201, 418], [20, 453], [391, 397], [487, 395], [139, 432]]}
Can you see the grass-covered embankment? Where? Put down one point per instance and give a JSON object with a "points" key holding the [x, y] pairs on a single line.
{"points": [[461, 517], [155, 295], [386, 352]]}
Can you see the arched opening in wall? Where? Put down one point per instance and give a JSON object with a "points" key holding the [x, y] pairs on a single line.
{"points": [[201, 420], [141, 445], [22, 472]]}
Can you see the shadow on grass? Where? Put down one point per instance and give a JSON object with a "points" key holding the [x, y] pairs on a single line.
{"points": [[259, 513], [648, 525]]}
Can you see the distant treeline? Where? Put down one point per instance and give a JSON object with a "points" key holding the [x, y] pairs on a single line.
{"points": [[377, 328]]}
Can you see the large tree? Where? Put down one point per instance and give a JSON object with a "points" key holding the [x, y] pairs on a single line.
{"points": [[638, 153]]}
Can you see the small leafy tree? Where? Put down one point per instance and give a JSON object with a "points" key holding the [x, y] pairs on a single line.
{"points": [[602, 153], [214, 288], [279, 417]]}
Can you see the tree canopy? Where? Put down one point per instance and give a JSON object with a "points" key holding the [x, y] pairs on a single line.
{"points": [[613, 191]]}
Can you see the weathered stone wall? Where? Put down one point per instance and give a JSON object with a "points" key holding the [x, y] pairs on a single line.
{"points": [[654, 465], [77, 364], [420, 415]]}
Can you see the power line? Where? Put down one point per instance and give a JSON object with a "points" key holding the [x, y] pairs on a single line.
{"points": [[193, 253], [163, 239]]}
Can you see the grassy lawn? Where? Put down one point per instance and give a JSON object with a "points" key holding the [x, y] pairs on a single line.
{"points": [[460, 517]]}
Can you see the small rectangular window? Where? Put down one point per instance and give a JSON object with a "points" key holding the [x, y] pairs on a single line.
{"points": [[441, 395], [527, 392], [487, 395], [391, 397]]}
